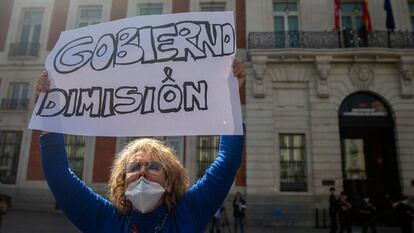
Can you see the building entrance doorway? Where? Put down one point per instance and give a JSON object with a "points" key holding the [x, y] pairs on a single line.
{"points": [[369, 159]]}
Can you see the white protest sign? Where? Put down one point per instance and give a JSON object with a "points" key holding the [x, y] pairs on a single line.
{"points": [[144, 76]]}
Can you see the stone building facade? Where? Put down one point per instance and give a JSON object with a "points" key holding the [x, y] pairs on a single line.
{"points": [[326, 107]]}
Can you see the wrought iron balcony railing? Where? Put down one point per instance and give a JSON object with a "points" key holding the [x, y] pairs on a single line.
{"points": [[330, 40], [24, 49], [14, 104]]}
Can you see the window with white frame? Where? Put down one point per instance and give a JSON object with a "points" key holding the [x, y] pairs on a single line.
{"points": [[149, 9], [411, 10], [18, 97], [212, 6], [292, 163], [9, 155], [351, 15], [207, 149], [286, 24], [28, 40], [353, 32], [75, 149], [89, 15]]}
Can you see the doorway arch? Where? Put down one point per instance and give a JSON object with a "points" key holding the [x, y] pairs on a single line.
{"points": [[369, 157]]}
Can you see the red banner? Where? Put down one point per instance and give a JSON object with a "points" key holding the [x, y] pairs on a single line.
{"points": [[366, 19], [337, 14]]}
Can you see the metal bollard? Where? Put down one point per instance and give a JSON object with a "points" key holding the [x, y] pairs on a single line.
{"points": [[324, 218], [317, 217]]}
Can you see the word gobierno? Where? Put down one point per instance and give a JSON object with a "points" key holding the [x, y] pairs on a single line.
{"points": [[147, 45]]}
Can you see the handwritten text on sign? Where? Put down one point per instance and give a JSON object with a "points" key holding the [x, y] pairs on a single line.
{"points": [[149, 75]]}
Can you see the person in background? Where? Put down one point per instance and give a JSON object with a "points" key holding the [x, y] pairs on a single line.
{"points": [[344, 214], [148, 189], [405, 215], [239, 212], [333, 211], [368, 212], [215, 222]]}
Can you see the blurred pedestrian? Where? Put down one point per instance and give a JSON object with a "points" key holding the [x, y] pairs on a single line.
{"points": [[405, 215], [215, 222], [239, 209], [224, 220], [333, 211], [344, 214], [3, 210], [368, 212]]}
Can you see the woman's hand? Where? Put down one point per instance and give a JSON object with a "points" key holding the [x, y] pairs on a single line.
{"points": [[238, 71], [42, 84]]}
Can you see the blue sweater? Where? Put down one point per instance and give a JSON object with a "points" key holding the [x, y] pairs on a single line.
{"points": [[91, 212]]}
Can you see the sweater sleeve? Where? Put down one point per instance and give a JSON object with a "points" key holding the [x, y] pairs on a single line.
{"points": [[208, 194], [86, 209]]}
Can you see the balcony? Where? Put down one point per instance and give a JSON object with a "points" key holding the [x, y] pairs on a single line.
{"points": [[14, 104], [330, 40], [24, 49]]}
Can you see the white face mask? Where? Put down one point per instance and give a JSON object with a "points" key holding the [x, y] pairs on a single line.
{"points": [[144, 194]]}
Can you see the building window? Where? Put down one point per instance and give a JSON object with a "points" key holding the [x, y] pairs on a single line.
{"points": [[351, 15], [292, 162], [411, 9], [353, 32], [149, 9], [75, 147], [207, 149], [9, 155], [29, 34], [17, 98], [285, 18], [89, 15], [213, 6]]}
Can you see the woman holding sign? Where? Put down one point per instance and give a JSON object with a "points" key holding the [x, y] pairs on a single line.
{"points": [[148, 189]]}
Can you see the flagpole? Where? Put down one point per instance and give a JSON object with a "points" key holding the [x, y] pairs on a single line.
{"points": [[389, 38]]}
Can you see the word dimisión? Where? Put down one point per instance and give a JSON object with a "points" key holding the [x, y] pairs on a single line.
{"points": [[106, 102]]}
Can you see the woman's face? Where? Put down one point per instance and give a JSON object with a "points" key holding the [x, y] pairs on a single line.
{"points": [[142, 164]]}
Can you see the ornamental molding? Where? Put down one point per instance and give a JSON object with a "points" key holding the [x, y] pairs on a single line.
{"points": [[362, 75], [259, 68], [323, 68], [290, 73], [406, 76]]}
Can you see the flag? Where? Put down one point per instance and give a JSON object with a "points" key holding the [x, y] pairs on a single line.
{"points": [[366, 20], [337, 14], [390, 16]]}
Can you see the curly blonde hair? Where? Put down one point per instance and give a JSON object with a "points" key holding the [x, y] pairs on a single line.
{"points": [[175, 172]]}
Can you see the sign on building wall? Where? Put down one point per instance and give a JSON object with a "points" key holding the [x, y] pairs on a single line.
{"points": [[146, 75], [354, 159]]}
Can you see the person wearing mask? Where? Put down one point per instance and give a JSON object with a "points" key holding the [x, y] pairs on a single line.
{"points": [[148, 189]]}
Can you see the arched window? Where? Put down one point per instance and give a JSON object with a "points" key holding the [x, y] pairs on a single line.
{"points": [[363, 105]]}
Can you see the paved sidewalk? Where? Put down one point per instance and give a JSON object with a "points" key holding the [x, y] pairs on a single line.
{"points": [[53, 222]]}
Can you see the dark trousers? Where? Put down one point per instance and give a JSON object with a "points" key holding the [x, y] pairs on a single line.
{"points": [[369, 223], [333, 223], [238, 222], [345, 224], [215, 224], [407, 227]]}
